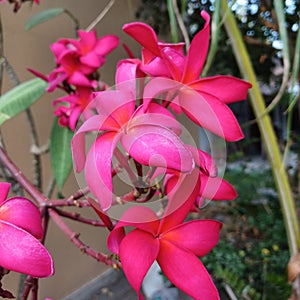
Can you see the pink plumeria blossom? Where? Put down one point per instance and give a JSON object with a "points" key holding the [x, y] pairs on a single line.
{"points": [[73, 106], [150, 138], [211, 186], [207, 106], [153, 62], [176, 246], [92, 51], [20, 229], [76, 59], [72, 71]]}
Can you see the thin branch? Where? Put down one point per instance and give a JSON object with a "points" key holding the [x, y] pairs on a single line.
{"points": [[50, 187], [36, 157], [229, 292], [77, 217], [66, 202], [79, 194], [101, 15], [74, 238], [181, 25]]}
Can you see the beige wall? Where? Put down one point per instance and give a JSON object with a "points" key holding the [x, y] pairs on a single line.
{"points": [[31, 49]]}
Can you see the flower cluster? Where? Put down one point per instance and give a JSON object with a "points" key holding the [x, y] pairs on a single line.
{"points": [[138, 117], [77, 62], [20, 231]]}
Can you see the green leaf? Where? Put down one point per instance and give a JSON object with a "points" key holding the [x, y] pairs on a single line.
{"points": [[42, 17], [60, 153], [20, 98]]}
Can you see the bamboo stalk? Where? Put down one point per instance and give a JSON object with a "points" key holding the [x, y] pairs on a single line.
{"points": [[267, 132]]}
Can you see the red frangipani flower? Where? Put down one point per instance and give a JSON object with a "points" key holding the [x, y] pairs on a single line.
{"points": [[20, 229], [150, 138], [73, 106], [211, 186], [176, 246], [77, 59], [203, 100]]}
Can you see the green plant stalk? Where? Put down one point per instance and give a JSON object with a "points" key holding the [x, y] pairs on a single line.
{"points": [[173, 23], [278, 4], [294, 97], [215, 32], [267, 132]]}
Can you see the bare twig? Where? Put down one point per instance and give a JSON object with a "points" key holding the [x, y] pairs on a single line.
{"points": [[36, 157], [77, 217], [181, 24], [101, 15], [229, 292]]}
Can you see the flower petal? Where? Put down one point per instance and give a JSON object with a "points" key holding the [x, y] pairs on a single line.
{"points": [[94, 123], [140, 217], [157, 86], [24, 214], [227, 89], [186, 272], [156, 67], [106, 44], [216, 188], [204, 161], [92, 60], [4, 190], [197, 52], [126, 71], [87, 41], [144, 35], [79, 79], [175, 61], [22, 252], [98, 168], [117, 104], [210, 113], [156, 115], [181, 197], [198, 237], [157, 146], [138, 251]]}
